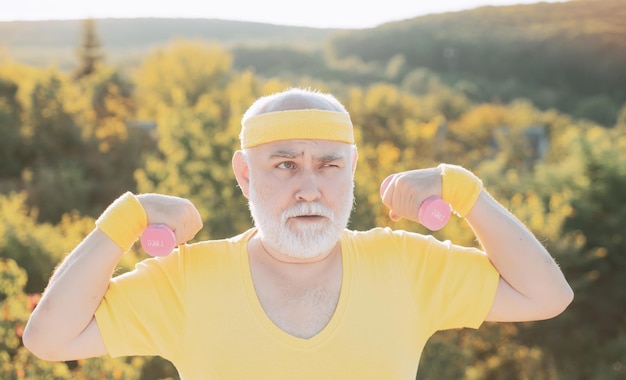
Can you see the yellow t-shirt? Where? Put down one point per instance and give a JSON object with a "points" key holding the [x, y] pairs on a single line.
{"points": [[198, 309]]}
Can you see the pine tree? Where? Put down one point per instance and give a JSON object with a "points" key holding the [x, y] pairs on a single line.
{"points": [[89, 52]]}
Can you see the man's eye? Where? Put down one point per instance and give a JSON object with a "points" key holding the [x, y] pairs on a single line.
{"points": [[286, 165]]}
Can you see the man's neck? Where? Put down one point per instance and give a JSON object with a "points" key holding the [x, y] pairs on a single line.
{"points": [[288, 266], [294, 259]]}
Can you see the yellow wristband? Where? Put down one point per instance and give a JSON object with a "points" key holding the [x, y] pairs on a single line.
{"points": [[460, 188], [123, 221]]}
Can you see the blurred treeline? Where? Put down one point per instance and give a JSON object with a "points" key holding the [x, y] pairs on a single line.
{"points": [[72, 141]]}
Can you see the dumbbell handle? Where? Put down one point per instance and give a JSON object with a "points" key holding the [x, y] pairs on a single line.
{"points": [[158, 240], [433, 213]]}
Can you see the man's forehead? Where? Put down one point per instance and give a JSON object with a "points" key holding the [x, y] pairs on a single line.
{"points": [[298, 147]]}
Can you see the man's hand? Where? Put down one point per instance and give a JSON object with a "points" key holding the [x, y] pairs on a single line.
{"points": [[404, 192], [179, 214]]}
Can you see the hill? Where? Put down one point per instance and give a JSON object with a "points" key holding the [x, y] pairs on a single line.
{"points": [[569, 55], [42, 43]]}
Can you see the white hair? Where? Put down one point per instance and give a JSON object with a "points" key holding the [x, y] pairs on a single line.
{"points": [[294, 99]]}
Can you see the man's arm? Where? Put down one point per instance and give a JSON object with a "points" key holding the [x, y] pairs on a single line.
{"points": [[532, 286], [62, 326]]}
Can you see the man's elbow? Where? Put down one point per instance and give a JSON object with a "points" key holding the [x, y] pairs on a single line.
{"points": [[567, 298], [34, 345], [559, 302], [53, 343], [39, 346]]}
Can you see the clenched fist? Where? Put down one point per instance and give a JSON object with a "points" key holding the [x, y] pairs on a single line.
{"points": [[404, 192], [177, 213]]}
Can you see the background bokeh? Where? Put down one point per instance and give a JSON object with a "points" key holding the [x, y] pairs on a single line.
{"points": [[531, 98]]}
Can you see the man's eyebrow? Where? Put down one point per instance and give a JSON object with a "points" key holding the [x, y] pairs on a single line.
{"points": [[331, 157], [284, 154]]}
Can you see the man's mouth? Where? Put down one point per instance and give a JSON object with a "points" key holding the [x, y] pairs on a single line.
{"points": [[313, 213], [308, 217]]}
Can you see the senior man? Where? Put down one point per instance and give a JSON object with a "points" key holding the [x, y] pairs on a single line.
{"points": [[299, 296]]}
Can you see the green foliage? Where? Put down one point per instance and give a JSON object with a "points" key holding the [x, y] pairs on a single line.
{"points": [[621, 118], [24, 365], [50, 123], [116, 145], [36, 247], [70, 145], [55, 186], [12, 281], [600, 108], [54, 174], [493, 352], [11, 141], [597, 266]]}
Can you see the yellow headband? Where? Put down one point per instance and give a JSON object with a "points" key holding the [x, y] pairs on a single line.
{"points": [[308, 124]]}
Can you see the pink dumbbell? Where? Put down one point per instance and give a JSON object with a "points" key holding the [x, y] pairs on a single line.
{"points": [[158, 240], [433, 213]]}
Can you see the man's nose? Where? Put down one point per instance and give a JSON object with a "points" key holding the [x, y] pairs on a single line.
{"points": [[308, 189]]}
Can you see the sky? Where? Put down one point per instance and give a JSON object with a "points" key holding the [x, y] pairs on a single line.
{"points": [[311, 13]]}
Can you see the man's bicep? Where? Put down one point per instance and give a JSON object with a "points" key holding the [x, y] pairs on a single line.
{"points": [[88, 344], [511, 306]]}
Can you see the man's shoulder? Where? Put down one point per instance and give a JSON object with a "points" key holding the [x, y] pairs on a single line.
{"points": [[217, 247], [386, 239], [380, 233], [375, 237]]}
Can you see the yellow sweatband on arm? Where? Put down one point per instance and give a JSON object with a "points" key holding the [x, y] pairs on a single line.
{"points": [[306, 124], [460, 188], [123, 221]]}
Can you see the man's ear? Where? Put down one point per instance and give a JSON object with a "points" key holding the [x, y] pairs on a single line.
{"points": [[355, 158], [240, 167]]}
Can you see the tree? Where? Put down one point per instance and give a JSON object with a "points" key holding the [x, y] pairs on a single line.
{"points": [[89, 52], [115, 142], [597, 267], [578, 212], [55, 176], [11, 140]]}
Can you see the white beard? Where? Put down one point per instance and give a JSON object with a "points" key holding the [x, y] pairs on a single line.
{"points": [[299, 240]]}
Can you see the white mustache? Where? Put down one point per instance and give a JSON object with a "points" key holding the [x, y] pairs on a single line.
{"points": [[307, 209]]}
